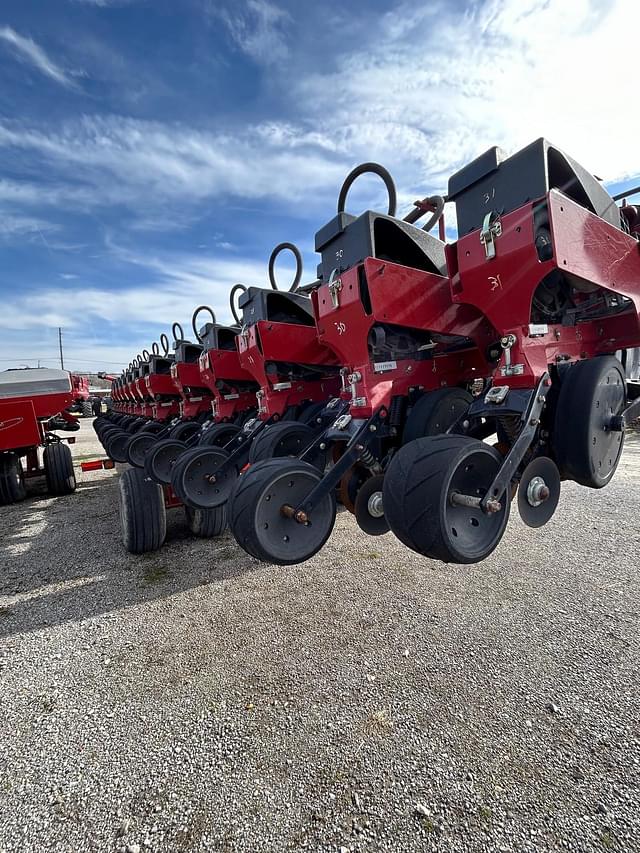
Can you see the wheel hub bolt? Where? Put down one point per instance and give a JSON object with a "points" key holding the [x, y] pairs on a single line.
{"points": [[374, 505], [211, 478], [301, 517], [537, 492]]}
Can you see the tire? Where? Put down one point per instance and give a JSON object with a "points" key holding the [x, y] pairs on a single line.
{"points": [[143, 517], [310, 413], [58, 468], [115, 445], [251, 495], [415, 496], [435, 412], [157, 469], [218, 435], [207, 523], [286, 438], [137, 446], [184, 431], [592, 392], [87, 410], [12, 484], [190, 483]]}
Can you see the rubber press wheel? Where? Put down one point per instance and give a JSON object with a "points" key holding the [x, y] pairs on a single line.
{"points": [[12, 485], [143, 515], [58, 468], [286, 438], [417, 491], [201, 479], [218, 435], [137, 447], [435, 412], [159, 461], [184, 431], [115, 445], [256, 516], [592, 395]]}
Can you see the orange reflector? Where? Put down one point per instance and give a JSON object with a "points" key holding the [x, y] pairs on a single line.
{"points": [[108, 464]]}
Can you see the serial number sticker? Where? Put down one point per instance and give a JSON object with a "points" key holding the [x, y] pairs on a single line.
{"points": [[538, 330], [382, 366]]}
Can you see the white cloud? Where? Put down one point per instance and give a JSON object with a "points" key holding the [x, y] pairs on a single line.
{"points": [[431, 89], [140, 162], [258, 31], [174, 284], [28, 51], [12, 225]]}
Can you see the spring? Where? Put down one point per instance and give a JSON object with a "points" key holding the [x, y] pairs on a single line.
{"points": [[508, 428], [397, 410], [367, 458]]}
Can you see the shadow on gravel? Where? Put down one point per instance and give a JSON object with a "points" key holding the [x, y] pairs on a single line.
{"points": [[64, 561]]}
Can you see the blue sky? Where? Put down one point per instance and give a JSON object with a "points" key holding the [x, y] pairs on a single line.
{"points": [[152, 152]]}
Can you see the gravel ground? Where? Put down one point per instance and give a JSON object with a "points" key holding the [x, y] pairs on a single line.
{"points": [[368, 700]]}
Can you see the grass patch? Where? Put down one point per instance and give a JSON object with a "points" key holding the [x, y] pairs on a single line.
{"points": [[484, 812], [155, 574], [379, 721], [608, 841]]}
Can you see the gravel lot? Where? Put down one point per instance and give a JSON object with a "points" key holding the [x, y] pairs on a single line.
{"points": [[194, 699]]}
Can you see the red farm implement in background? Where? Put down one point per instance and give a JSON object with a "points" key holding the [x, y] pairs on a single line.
{"points": [[81, 396], [33, 402]]}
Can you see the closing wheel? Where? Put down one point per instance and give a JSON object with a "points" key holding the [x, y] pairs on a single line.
{"points": [[218, 435], [115, 445], [159, 461], [143, 515], [588, 435], [207, 522], [285, 438], [349, 486], [435, 412], [12, 485], [260, 506], [202, 480], [539, 491], [58, 468], [138, 446], [423, 490], [369, 509]]}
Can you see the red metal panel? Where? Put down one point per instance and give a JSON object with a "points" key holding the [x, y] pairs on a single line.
{"points": [[594, 250], [18, 425]]}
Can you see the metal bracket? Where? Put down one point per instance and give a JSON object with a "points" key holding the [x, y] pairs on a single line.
{"points": [[491, 228], [357, 447], [335, 286], [497, 394], [510, 369], [514, 457]]}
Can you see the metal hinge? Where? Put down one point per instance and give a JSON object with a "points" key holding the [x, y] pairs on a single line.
{"points": [[335, 286], [491, 228]]}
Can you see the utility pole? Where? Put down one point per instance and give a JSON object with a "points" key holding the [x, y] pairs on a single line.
{"points": [[60, 343]]}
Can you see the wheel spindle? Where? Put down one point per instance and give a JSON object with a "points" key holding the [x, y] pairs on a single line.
{"points": [[472, 502]]}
